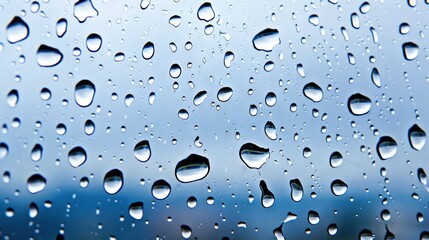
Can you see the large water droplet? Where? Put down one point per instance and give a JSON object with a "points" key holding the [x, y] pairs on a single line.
{"points": [[224, 94], [161, 189], [336, 159], [417, 137], [297, 191], [33, 210], [267, 198], [313, 217], [93, 42], [148, 50], [266, 40], [313, 92], [175, 70], [12, 98], [77, 156], [313, 19], [84, 9], [205, 12], [89, 127], [253, 155], [192, 168], [36, 152], [61, 27], [386, 147], [17, 30], [136, 210], [270, 130], [338, 187], [200, 97], [186, 231], [84, 93], [359, 104], [113, 181], [270, 99], [36, 183], [142, 151], [48, 56], [410, 50]]}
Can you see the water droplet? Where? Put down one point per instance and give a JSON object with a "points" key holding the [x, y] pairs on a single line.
{"points": [[33, 210], [228, 58], [119, 57], [148, 50], [359, 104], [129, 99], [266, 40], [45, 94], [113, 181], [89, 127], [161, 189], [270, 130], [192, 168], [313, 92], [313, 19], [142, 151], [417, 137], [205, 12], [186, 231], [270, 99], [386, 147], [421, 174], [278, 233], [224, 94], [300, 70], [84, 9], [200, 97], [144, 4], [354, 18], [306, 152], [48, 56], [375, 76], [93, 42], [183, 114], [4, 150], [336, 159], [253, 155], [191, 202], [404, 28], [12, 98], [338, 187], [385, 215], [365, 7], [366, 234], [17, 30], [297, 191], [175, 20], [410, 50], [136, 210], [175, 70], [313, 217], [36, 152], [61, 27], [267, 198], [332, 229], [36, 183], [84, 93], [77, 156]]}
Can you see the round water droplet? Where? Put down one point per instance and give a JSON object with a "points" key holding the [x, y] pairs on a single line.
{"points": [[410, 50], [205, 12], [119, 57], [36, 152], [266, 40], [297, 191], [175, 20], [336, 159], [359, 104], [36, 183], [365, 7], [113, 181], [270, 130], [270, 99], [129, 99], [161, 189], [183, 114], [33, 210], [313, 19], [404, 28], [4, 150], [386, 147], [48, 56], [93, 42], [253, 155], [332, 229], [61, 27], [313, 92], [313, 217], [417, 137], [148, 50], [338, 187], [224, 94], [17, 30], [192, 168], [12, 98], [61, 129], [142, 151], [136, 210], [175, 70], [89, 127], [77, 156], [84, 93], [200, 97], [45, 94]]}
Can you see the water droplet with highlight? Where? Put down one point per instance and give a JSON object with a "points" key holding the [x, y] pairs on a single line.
{"points": [[266, 40], [267, 198], [61, 27], [336, 159], [253, 155], [136, 210], [84, 9], [313, 92], [338, 187], [228, 58], [93, 42], [48, 56], [113, 181], [12, 98], [375, 77], [205, 12], [193, 168], [200, 97], [142, 151], [36, 152], [161, 189], [175, 70], [36, 183], [224, 94], [297, 191], [359, 104], [89, 127], [417, 137], [270, 130], [77, 156], [148, 50], [386, 147], [84, 93], [186, 231], [17, 30], [410, 50]]}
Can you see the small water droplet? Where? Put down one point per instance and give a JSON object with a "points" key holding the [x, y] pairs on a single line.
{"points": [[84, 93], [338, 187], [161, 189], [205, 12], [36, 183], [200, 97], [144, 4], [89, 127], [359, 104], [4, 150], [191, 202], [313, 217], [417, 137], [224, 94], [33, 210], [336, 159], [136, 210], [253, 155], [375, 76], [12, 98], [48, 56], [421, 174], [266, 40], [36, 152], [186, 231], [77, 156], [313, 92], [193, 168], [142, 151], [386, 147], [297, 191], [410, 50], [17, 30], [148, 50], [113, 181], [93, 42], [404, 28], [61, 27], [228, 58], [270, 130], [366, 234], [119, 57]]}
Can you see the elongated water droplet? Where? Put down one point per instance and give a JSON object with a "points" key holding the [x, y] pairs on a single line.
{"points": [[175, 20], [200, 97], [270, 130], [148, 50], [93, 42], [205, 12], [77, 156], [186, 231], [161, 189], [297, 191], [224, 94], [228, 58], [175, 70], [417, 137], [84, 93], [193, 168], [84, 9], [183, 114], [410, 50], [113, 181], [12, 98], [48, 56], [354, 18], [17, 30], [4, 150], [33, 210], [136, 210], [142, 151], [359, 104], [253, 155], [404, 28], [375, 76], [267, 198], [278, 233], [61, 27], [144, 4], [421, 174], [266, 40], [129, 99], [336, 159], [37, 152], [366, 234], [313, 92], [386, 147], [338, 187], [36, 183]]}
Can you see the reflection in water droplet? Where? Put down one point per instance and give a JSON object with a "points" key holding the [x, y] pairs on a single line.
{"points": [[297, 191], [175, 70], [421, 174], [375, 76], [84, 93], [338, 187], [266, 40], [17, 30], [77, 156], [270, 130], [186, 231], [61, 27], [136, 210], [271, 99], [48, 56], [142, 151], [359, 104], [313, 19], [93, 42], [129, 99], [144, 4], [224, 94], [313, 92], [332, 229], [192, 168], [84, 9], [200, 97], [175, 20], [313, 217], [33, 210], [253, 155], [366, 234], [410, 50], [191, 202], [205, 12], [4, 150], [36, 152], [228, 58], [336, 159], [89, 127], [267, 198], [36, 183], [386, 147], [161, 189], [119, 57], [354, 18], [183, 114], [12, 98], [365, 7], [113, 181], [148, 50], [417, 137], [404, 28]]}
